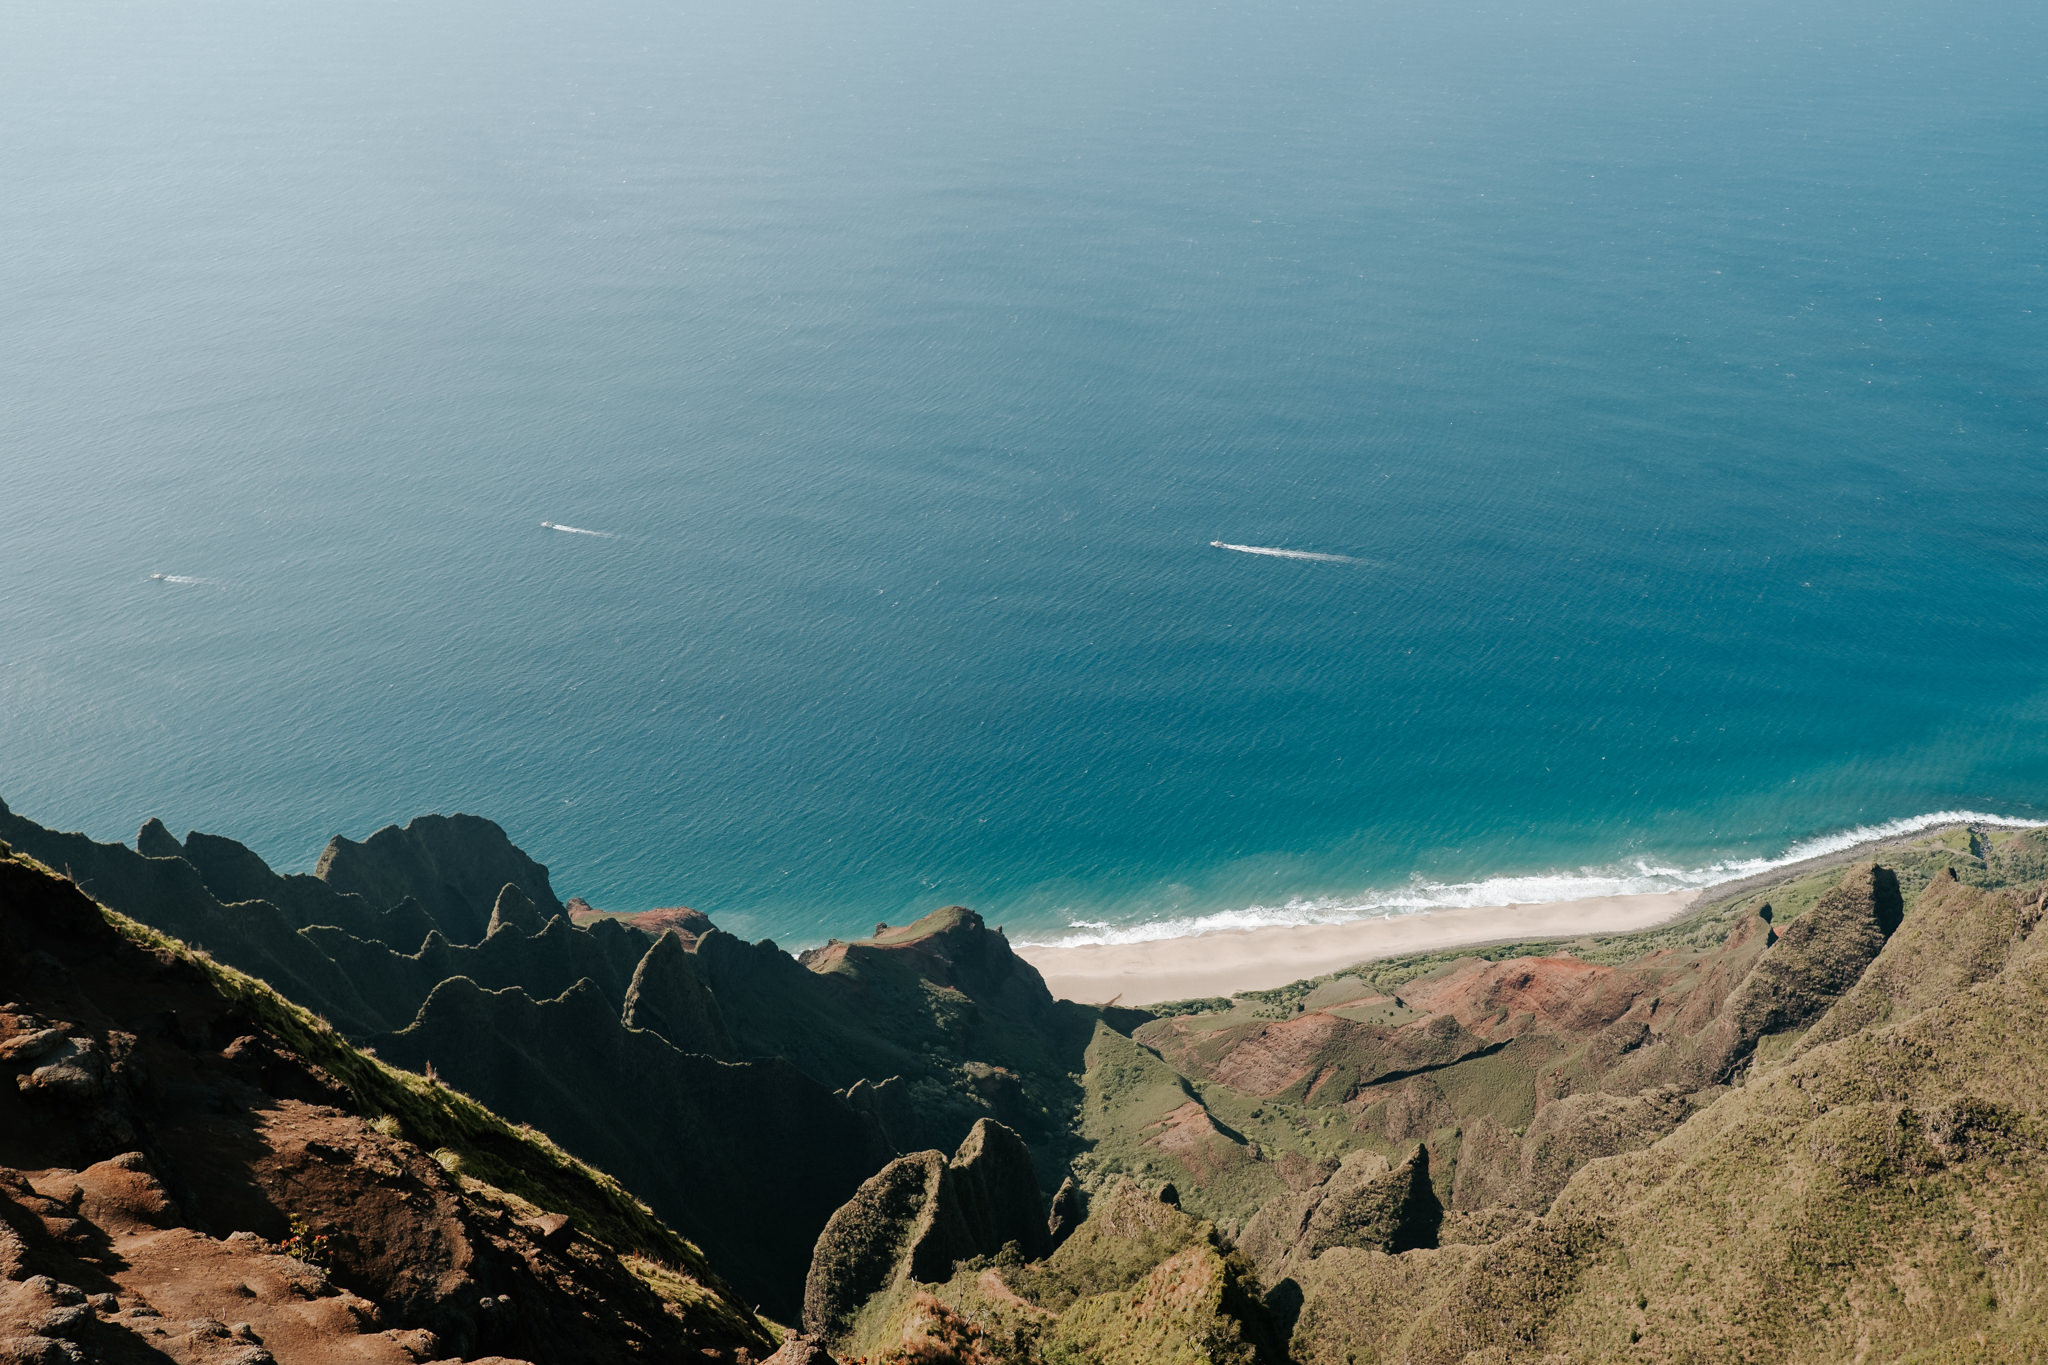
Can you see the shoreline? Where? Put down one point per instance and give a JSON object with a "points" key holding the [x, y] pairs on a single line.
{"points": [[1227, 961]]}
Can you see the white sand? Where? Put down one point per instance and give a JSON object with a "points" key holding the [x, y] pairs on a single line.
{"points": [[1256, 959]]}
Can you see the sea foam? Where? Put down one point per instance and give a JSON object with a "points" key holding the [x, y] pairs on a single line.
{"points": [[1285, 554], [1635, 878]]}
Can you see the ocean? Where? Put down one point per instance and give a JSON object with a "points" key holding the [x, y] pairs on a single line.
{"points": [[817, 462]]}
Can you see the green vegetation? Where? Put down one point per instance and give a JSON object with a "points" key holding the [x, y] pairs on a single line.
{"points": [[513, 1166], [1870, 1184], [1138, 1283], [1810, 1134]]}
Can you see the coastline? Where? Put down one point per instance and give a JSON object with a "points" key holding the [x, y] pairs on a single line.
{"points": [[1232, 960], [1225, 962]]}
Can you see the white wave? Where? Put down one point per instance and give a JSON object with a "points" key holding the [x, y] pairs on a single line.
{"points": [[1643, 877], [186, 580], [580, 530], [1285, 554]]}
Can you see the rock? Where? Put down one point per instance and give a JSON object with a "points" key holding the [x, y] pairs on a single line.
{"points": [[68, 1321], [453, 865], [40, 1350], [920, 1215], [798, 1349], [1397, 1211], [1364, 1203], [1811, 964], [555, 1230], [669, 996], [992, 1178], [866, 1245], [516, 908], [124, 1188], [1069, 1208], [156, 841]]}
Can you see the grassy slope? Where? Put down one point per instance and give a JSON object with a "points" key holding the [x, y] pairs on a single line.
{"points": [[1810, 1213], [505, 1163], [1880, 1196], [1501, 1087], [1139, 1283]]}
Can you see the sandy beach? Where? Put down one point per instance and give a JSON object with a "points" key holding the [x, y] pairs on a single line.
{"points": [[1254, 959]]}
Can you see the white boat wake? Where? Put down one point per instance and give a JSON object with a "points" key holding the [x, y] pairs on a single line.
{"points": [[186, 580], [580, 530], [1285, 554]]}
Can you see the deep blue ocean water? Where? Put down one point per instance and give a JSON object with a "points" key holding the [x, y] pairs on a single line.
{"points": [[1669, 381]]}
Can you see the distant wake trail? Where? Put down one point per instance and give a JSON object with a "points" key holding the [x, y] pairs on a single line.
{"points": [[1285, 554], [580, 531]]}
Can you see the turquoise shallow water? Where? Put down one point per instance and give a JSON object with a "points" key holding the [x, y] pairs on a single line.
{"points": [[1669, 380]]}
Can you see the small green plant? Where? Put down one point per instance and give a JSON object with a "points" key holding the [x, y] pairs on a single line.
{"points": [[305, 1244]]}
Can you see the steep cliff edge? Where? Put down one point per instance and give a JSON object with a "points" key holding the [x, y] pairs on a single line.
{"points": [[918, 1216], [454, 865], [193, 1169], [588, 1030], [746, 1158]]}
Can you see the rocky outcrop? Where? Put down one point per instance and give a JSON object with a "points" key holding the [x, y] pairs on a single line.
{"points": [[918, 1216], [924, 1030], [1069, 1209], [234, 872], [181, 1179], [1957, 936], [668, 996], [1363, 1203], [748, 1159], [992, 1179], [1810, 964], [516, 908], [798, 1349], [867, 1245], [395, 985], [453, 865], [943, 1004], [167, 893]]}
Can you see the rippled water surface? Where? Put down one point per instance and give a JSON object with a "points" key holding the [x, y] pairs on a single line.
{"points": [[1650, 401]]}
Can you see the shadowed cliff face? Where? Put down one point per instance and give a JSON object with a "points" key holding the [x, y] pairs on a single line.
{"points": [[698, 1068], [918, 1216], [166, 1130], [747, 1159], [451, 865]]}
